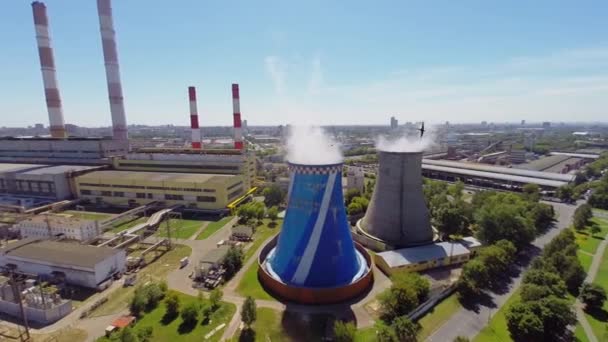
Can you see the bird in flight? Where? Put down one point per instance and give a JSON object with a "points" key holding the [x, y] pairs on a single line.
{"points": [[421, 129]]}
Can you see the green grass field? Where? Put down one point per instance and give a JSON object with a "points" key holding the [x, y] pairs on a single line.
{"points": [[179, 228], [262, 233], [497, 329], [589, 243], [439, 315], [579, 334], [585, 260], [250, 285], [175, 329], [87, 215], [598, 320], [119, 228], [157, 270], [213, 227], [272, 325]]}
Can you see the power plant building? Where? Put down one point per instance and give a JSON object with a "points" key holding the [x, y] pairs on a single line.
{"points": [[47, 226], [205, 192], [314, 259]]}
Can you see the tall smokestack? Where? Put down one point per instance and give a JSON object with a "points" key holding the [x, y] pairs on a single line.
{"points": [[47, 65], [196, 132], [236, 106], [110, 57]]}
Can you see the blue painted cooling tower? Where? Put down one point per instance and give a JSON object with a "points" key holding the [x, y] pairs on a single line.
{"points": [[315, 248]]}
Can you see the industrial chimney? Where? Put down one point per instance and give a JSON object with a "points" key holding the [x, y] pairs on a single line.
{"points": [[397, 214], [47, 65], [236, 106], [196, 132], [110, 57]]}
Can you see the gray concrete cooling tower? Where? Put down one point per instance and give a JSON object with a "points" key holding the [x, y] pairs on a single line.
{"points": [[397, 214]]}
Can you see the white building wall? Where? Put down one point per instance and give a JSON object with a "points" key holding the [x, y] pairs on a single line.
{"points": [[82, 277], [109, 266]]}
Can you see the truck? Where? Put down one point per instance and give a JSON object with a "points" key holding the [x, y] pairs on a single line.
{"points": [[183, 262]]}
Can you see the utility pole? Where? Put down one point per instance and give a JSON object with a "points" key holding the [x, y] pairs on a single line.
{"points": [[17, 296]]}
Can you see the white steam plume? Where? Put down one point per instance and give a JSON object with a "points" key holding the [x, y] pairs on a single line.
{"points": [[405, 143], [311, 146]]}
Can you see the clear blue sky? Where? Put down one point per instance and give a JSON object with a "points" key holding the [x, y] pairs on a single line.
{"points": [[323, 62]]}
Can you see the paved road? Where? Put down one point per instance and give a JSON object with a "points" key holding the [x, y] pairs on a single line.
{"points": [[469, 323]]}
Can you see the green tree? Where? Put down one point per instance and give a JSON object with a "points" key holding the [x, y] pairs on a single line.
{"points": [[249, 312], [385, 333], [508, 221], [172, 306], [215, 298], [455, 190], [206, 313], [476, 271], [542, 216], [350, 195], [397, 301], [405, 329], [138, 302], [565, 193], [273, 213], [552, 281], [273, 195], [260, 211], [413, 280], [354, 209], [344, 331], [451, 218], [144, 334], [245, 213], [593, 296], [189, 314], [364, 202], [523, 324], [582, 215], [127, 335], [233, 261], [153, 294], [531, 192]]}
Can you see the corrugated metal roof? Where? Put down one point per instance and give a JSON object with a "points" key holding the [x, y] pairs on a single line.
{"points": [[497, 176], [58, 169], [499, 170], [414, 255], [11, 167]]}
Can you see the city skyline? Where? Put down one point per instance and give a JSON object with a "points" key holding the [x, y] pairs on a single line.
{"points": [[316, 63]]}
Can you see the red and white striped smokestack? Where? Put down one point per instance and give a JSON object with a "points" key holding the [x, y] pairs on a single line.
{"points": [[196, 132], [236, 108], [110, 57], [47, 65]]}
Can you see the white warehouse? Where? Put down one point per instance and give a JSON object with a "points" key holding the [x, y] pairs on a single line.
{"points": [[82, 265], [48, 225]]}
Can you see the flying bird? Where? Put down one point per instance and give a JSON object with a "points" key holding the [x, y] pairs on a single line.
{"points": [[421, 129]]}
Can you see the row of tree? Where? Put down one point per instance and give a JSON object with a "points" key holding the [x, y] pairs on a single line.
{"points": [[544, 312], [147, 297]]}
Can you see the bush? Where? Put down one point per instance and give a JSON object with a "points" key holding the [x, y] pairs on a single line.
{"points": [[249, 312], [233, 261], [172, 306], [344, 331]]}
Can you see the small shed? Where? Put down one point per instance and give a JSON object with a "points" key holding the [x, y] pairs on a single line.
{"points": [[242, 233]]}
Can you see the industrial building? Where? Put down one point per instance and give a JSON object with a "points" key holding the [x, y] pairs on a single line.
{"points": [[205, 192], [492, 176], [216, 161], [77, 264], [47, 226], [397, 215], [420, 258], [22, 184], [314, 259], [90, 151], [355, 178]]}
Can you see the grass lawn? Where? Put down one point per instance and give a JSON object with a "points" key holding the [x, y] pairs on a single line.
{"points": [[497, 329], [585, 260], [579, 334], [367, 335], [157, 270], [175, 330], [262, 233], [250, 285], [272, 325], [119, 228], [598, 320], [589, 243], [213, 227], [87, 215], [439, 315], [179, 228]]}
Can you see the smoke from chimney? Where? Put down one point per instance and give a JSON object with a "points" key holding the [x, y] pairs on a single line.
{"points": [[110, 57], [236, 106], [196, 132], [47, 65]]}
